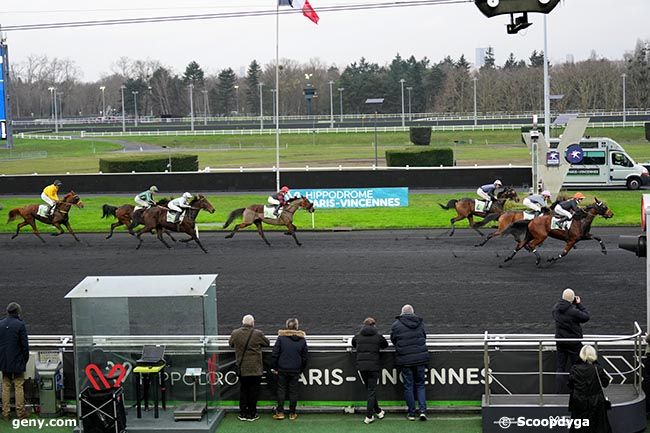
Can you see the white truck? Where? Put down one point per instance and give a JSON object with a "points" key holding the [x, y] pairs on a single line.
{"points": [[605, 164]]}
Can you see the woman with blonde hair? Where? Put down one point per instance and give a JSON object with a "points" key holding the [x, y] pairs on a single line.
{"points": [[587, 381]]}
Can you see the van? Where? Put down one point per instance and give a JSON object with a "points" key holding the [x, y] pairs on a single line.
{"points": [[605, 164]]}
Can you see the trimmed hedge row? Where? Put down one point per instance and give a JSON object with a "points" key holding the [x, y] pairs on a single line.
{"points": [[420, 135], [420, 157], [647, 131], [148, 163]]}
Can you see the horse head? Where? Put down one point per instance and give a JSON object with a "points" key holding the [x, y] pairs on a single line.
{"points": [[74, 199], [601, 208], [307, 205], [508, 193], [202, 203]]}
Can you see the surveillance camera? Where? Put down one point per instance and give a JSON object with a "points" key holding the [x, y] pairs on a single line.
{"points": [[493, 3]]}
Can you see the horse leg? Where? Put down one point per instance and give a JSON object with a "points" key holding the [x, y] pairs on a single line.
{"points": [[168, 233], [258, 224], [470, 218], [59, 228], [19, 226], [113, 227], [600, 241], [195, 239], [565, 251], [159, 232], [520, 245], [139, 234], [67, 224], [289, 232], [452, 221], [236, 229], [292, 231]]}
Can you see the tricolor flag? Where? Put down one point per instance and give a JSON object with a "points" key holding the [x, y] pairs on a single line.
{"points": [[304, 5]]}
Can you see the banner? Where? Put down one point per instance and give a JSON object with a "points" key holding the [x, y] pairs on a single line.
{"points": [[357, 198], [3, 110]]}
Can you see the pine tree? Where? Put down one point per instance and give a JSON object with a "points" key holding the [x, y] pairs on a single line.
{"points": [[193, 74], [537, 59], [252, 88], [489, 61], [224, 93]]}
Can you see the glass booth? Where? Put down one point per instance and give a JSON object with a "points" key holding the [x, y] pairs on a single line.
{"points": [[149, 334]]}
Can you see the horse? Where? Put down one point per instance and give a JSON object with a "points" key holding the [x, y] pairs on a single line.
{"points": [[155, 218], [506, 219], [254, 214], [531, 234], [124, 216], [465, 209], [29, 214]]}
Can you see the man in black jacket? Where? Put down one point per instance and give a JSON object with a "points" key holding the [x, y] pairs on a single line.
{"points": [[411, 354], [14, 353], [368, 343], [569, 314], [288, 360]]}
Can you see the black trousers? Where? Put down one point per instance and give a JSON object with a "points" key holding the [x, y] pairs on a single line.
{"points": [[287, 383], [370, 379], [568, 354], [249, 391]]}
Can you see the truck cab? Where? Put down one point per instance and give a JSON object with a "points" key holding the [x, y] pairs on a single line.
{"points": [[605, 164]]}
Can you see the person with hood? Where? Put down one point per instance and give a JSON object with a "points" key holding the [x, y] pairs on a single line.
{"points": [[368, 343], [14, 353], [411, 355], [587, 400], [569, 314], [288, 360]]}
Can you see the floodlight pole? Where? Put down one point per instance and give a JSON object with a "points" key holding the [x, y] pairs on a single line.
{"points": [[624, 75], [376, 144], [401, 81], [331, 83], [135, 108], [547, 88], [205, 107], [409, 88], [475, 111], [191, 87], [122, 87], [261, 108], [103, 88], [341, 89]]}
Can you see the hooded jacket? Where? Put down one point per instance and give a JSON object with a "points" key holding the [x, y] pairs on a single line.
{"points": [[290, 351], [410, 340], [569, 318], [14, 345], [368, 343]]}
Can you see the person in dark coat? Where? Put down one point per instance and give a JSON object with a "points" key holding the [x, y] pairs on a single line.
{"points": [[411, 355], [587, 400], [368, 343], [569, 314], [289, 359], [14, 353], [248, 343]]}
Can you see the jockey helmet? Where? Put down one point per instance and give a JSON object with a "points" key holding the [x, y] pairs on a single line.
{"points": [[284, 189], [58, 183], [578, 196], [153, 188], [187, 195], [546, 193], [497, 183]]}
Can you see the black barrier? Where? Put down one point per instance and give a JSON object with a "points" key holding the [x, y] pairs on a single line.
{"points": [[435, 178]]}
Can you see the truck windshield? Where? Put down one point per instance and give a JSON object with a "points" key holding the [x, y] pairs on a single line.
{"points": [[621, 160]]}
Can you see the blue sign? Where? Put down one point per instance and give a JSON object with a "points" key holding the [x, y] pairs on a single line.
{"points": [[3, 111], [574, 154], [355, 197], [552, 158]]}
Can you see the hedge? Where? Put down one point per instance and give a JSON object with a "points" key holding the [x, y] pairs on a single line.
{"points": [[647, 131], [148, 163], [420, 135], [420, 157]]}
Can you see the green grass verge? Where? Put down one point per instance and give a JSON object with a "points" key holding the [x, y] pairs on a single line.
{"points": [[423, 212]]}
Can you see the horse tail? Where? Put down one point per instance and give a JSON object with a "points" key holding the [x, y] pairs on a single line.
{"points": [[108, 210], [491, 217], [451, 204], [519, 229], [13, 214], [234, 214]]}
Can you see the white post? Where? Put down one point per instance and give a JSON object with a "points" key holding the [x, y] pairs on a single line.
{"points": [[122, 87], [103, 88], [409, 88], [401, 81], [56, 116], [135, 107], [237, 97], [191, 86], [624, 114], [331, 83], [475, 111], [261, 108], [341, 89], [277, 96], [205, 107], [547, 88]]}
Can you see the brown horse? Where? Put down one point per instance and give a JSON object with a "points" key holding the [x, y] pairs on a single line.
{"points": [[124, 216], [254, 214], [465, 209], [506, 219], [155, 218], [531, 234], [29, 214]]}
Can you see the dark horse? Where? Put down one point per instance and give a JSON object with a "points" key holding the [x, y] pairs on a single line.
{"points": [[254, 214], [531, 234], [124, 216], [29, 214], [155, 218], [465, 209], [506, 219]]}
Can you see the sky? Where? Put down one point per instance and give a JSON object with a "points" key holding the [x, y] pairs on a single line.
{"points": [[576, 28]]}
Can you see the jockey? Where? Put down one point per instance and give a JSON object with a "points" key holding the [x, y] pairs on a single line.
{"points": [[50, 197], [567, 208], [536, 202], [178, 204], [145, 199], [278, 199], [487, 193]]}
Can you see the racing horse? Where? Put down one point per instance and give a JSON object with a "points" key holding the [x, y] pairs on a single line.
{"points": [[155, 218], [254, 214], [124, 216], [531, 234], [506, 219], [29, 214], [465, 209]]}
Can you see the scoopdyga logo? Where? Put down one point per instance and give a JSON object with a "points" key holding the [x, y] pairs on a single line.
{"points": [[504, 422], [551, 422]]}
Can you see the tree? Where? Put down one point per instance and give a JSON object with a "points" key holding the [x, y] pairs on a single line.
{"points": [[489, 61], [252, 88], [537, 59], [193, 74], [224, 93], [513, 63]]}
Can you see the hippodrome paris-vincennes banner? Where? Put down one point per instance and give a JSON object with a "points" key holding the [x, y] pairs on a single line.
{"points": [[355, 197]]}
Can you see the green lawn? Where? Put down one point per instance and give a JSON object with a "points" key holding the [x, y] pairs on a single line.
{"points": [[422, 212]]}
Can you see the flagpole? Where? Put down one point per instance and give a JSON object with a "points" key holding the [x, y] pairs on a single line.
{"points": [[277, 96]]}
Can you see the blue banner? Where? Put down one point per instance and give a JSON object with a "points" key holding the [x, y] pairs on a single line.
{"points": [[355, 197], [3, 111]]}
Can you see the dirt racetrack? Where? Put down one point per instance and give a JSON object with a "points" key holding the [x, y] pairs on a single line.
{"points": [[337, 279]]}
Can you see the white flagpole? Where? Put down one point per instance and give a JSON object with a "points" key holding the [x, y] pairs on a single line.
{"points": [[277, 95]]}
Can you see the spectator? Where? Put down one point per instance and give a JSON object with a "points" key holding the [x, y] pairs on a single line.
{"points": [[248, 343], [368, 343], [569, 314], [14, 353], [587, 399], [411, 354], [289, 359]]}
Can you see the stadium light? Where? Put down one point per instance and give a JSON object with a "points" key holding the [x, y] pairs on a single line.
{"points": [[492, 8]]}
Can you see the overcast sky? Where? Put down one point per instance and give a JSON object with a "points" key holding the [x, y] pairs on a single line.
{"points": [[576, 27]]}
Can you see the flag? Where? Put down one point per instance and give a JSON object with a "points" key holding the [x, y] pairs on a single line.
{"points": [[304, 5]]}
